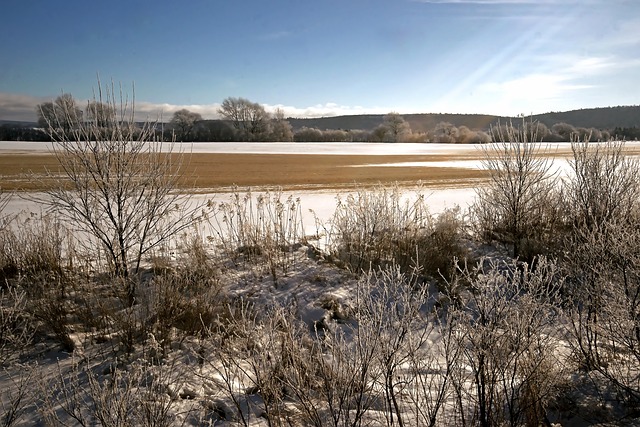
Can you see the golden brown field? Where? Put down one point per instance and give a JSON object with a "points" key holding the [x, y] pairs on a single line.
{"points": [[22, 171], [219, 171]]}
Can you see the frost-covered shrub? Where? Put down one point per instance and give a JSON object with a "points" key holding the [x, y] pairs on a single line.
{"points": [[262, 227], [506, 332], [443, 247], [603, 185], [377, 228], [603, 303], [387, 226], [516, 206], [85, 392], [37, 257]]}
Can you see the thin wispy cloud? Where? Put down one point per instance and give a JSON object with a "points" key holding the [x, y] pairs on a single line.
{"points": [[550, 82], [325, 110], [277, 35], [511, 2], [164, 112], [561, 79]]}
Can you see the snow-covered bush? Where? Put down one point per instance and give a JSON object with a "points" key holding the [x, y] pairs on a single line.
{"points": [[603, 302], [264, 227], [506, 331], [376, 228], [516, 207], [386, 226]]}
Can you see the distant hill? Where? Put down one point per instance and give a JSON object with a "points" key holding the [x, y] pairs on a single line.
{"points": [[600, 118], [18, 123]]}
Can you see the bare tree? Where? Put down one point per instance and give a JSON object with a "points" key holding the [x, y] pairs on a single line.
{"points": [[99, 113], [46, 113], [118, 187], [536, 131], [604, 185], [280, 127], [468, 136], [397, 128], [514, 206], [248, 118], [565, 131], [445, 132], [183, 122], [306, 134], [378, 134], [62, 113]]}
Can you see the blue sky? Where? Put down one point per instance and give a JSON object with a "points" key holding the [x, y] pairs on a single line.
{"points": [[325, 57]]}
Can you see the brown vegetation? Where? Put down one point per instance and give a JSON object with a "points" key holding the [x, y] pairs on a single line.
{"points": [[215, 171]]}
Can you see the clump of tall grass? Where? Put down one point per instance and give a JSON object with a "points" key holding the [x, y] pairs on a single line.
{"points": [[34, 244], [17, 327], [386, 226], [376, 227], [35, 256], [188, 299], [265, 227]]}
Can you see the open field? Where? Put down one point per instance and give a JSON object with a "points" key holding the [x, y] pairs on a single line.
{"points": [[321, 171], [433, 165], [20, 171]]}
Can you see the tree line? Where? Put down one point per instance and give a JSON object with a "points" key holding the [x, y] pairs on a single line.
{"points": [[244, 120], [249, 121]]}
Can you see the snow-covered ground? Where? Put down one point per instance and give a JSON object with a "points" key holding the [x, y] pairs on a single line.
{"points": [[315, 205], [338, 148]]}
